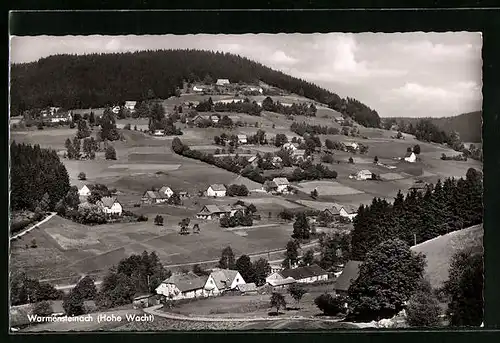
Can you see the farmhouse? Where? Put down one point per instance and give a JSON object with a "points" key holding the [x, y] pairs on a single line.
{"points": [[419, 186], [333, 212], [242, 139], [352, 145], [289, 147], [349, 274], [184, 286], [299, 155], [226, 279], [270, 186], [130, 105], [222, 82], [280, 283], [84, 191], [247, 288], [198, 89], [277, 161], [216, 190], [410, 157], [152, 197], [159, 133], [166, 192], [281, 183], [211, 212], [115, 109], [110, 205], [60, 117], [214, 119], [200, 119], [306, 274], [364, 174], [348, 211]]}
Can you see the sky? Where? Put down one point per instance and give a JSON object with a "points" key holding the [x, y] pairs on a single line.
{"points": [[397, 74]]}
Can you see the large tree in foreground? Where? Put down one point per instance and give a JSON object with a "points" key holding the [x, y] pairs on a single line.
{"points": [[465, 289], [423, 308], [390, 274]]}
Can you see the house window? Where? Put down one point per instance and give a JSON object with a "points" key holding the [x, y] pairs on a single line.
{"points": [[237, 280]]}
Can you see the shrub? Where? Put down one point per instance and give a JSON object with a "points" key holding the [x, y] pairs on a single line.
{"points": [[43, 309], [82, 176], [330, 305], [142, 218], [127, 126]]}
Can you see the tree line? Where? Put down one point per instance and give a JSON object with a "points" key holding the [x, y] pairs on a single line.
{"points": [[445, 207], [244, 106], [301, 109], [303, 128], [35, 174], [97, 80]]}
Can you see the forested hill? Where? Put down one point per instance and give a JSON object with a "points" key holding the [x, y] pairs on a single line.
{"points": [[96, 80], [468, 125]]}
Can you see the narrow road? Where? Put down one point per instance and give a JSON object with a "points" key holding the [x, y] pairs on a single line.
{"points": [[22, 233], [155, 311]]}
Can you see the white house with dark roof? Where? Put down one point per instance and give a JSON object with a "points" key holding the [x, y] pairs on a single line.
{"points": [[110, 205], [410, 157], [216, 190], [166, 192], [84, 191], [364, 174], [242, 139], [198, 89], [185, 286], [282, 184], [289, 147], [130, 105], [222, 82], [348, 211], [212, 212], [227, 279]]}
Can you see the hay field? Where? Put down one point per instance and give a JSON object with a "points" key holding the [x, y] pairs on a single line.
{"points": [[265, 202], [440, 250], [327, 188]]}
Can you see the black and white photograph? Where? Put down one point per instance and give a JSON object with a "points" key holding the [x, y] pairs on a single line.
{"points": [[284, 181]]}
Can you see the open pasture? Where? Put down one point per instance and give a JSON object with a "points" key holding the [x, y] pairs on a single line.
{"points": [[47, 138], [317, 205], [374, 188], [327, 188], [270, 202]]}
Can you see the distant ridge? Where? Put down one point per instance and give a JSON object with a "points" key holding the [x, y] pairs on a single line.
{"points": [[468, 125]]}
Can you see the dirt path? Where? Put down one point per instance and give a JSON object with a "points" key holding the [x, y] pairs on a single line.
{"points": [[22, 233], [154, 310]]}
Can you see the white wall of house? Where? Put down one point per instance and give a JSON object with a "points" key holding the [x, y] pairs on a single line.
{"points": [[343, 213], [212, 193], [84, 191], [412, 158], [238, 280], [115, 209], [314, 279], [274, 276]]}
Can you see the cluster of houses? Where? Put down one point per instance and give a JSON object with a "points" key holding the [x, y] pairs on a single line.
{"points": [[225, 85], [219, 281], [108, 205]]}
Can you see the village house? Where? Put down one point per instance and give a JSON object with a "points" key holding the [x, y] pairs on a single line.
{"points": [[200, 119], [60, 117], [226, 279], [84, 191], [352, 146], [159, 132], [145, 300], [289, 147], [210, 212], [242, 139], [298, 155], [280, 283], [214, 119], [277, 162], [348, 275], [130, 105], [166, 192], [186, 286], [222, 82], [418, 186], [364, 174], [282, 184], [410, 157], [247, 288], [270, 186], [198, 89], [153, 197], [216, 190], [306, 274], [110, 205], [332, 211], [348, 211], [115, 109], [183, 194]]}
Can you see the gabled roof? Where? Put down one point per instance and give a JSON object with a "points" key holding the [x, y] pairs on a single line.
{"points": [[211, 209], [281, 282], [165, 189], [348, 275], [365, 171], [108, 201], [270, 184], [218, 187], [187, 282], [349, 208], [247, 287], [333, 210], [281, 181], [303, 272], [224, 277], [151, 194]]}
